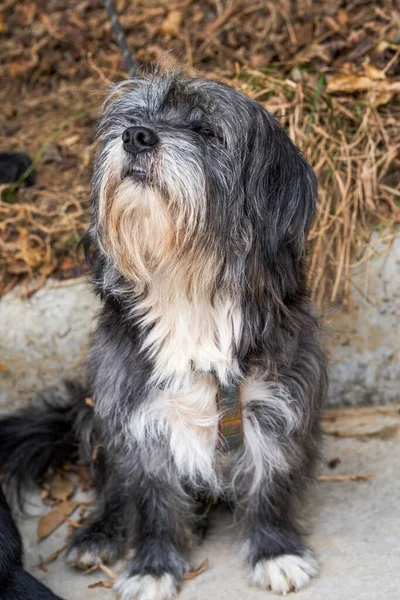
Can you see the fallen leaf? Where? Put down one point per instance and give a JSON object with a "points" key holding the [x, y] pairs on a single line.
{"points": [[104, 584], [50, 522], [89, 402], [51, 558], [331, 23], [381, 91], [373, 73], [66, 264], [342, 16], [61, 488], [344, 477], [349, 84], [73, 524], [172, 23], [192, 574], [384, 93], [3, 368], [70, 141]]}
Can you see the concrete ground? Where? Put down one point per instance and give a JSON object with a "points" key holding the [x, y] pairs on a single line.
{"points": [[356, 525], [356, 536]]}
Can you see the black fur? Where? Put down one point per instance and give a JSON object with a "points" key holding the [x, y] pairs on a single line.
{"points": [[13, 165], [33, 440], [15, 582]]}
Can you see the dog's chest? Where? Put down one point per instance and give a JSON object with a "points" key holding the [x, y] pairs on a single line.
{"points": [[184, 335]]}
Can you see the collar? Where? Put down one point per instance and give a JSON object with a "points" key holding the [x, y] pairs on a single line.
{"points": [[230, 421]]}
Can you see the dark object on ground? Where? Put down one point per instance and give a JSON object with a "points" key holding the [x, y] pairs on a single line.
{"points": [[15, 582], [13, 165]]}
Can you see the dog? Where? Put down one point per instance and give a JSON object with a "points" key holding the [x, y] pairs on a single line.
{"points": [[15, 582], [201, 207]]}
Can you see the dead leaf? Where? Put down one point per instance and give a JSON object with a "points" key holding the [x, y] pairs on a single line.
{"points": [[89, 402], [260, 61], [73, 524], [331, 23], [384, 92], [349, 84], [50, 522], [61, 488], [66, 264], [70, 141], [380, 91], [344, 477], [373, 73], [104, 584], [342, 17], [192, 574], [51, 558], [172, 23], [3, 368]]}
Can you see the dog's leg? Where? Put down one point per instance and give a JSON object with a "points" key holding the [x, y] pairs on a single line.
{"points": [[281, 431], [103, 539], [164, 525]]}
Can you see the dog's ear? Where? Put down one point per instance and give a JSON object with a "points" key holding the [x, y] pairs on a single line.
{"points": [[280, 186], [280, 202]]}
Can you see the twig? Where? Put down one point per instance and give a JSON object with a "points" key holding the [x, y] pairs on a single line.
{"points": [[342, 478]]}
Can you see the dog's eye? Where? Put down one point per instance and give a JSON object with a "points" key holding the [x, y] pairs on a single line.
{"points": [[205, 131]]}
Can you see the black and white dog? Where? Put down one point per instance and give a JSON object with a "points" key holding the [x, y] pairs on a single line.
{"points": [[201, 210]]}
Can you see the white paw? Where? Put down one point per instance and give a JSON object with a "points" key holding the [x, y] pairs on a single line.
{"points": [[146, 587], [83, 560], [284, 574]]}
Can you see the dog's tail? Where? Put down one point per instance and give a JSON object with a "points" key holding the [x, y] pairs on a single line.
{"points": [[32, 440]]}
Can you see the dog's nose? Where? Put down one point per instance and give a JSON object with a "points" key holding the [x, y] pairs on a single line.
{"points": [[139, 139]]}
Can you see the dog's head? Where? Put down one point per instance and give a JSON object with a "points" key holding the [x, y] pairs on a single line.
{"points": [[191, 172]]}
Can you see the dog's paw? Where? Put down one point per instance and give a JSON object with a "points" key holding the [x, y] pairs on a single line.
{"points": [[90, 548], [284, 574], [146, 587]]}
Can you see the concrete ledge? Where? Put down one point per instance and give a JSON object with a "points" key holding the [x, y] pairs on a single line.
{"points": [[43, 339], [365, 353]]}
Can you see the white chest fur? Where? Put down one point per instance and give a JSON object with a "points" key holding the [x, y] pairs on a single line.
{"points": [[185, 335], [192, 345]]}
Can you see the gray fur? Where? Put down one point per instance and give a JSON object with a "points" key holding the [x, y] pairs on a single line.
{"points": [[197, 247]]}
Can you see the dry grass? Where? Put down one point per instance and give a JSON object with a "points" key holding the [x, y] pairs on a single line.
{"points": [[329, 70]]}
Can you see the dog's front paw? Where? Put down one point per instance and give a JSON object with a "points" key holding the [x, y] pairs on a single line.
{"points": [[285, 573], [146, 587], [89, 547]]}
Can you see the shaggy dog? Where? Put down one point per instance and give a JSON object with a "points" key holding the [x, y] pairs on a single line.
{"points": [[201, 208]]}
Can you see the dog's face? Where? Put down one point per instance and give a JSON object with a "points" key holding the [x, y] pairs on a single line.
{"points": [[192, 171]]}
